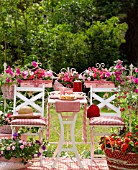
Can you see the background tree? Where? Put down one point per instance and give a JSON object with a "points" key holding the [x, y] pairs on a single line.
{"points": [[60, 33]]}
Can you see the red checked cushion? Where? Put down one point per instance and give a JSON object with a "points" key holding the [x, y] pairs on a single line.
{"points": [[28, 122], [106, 120], [93, 111]]}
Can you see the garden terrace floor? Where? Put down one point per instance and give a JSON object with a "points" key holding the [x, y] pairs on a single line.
{"points": [[70, 164], [62, 164]]}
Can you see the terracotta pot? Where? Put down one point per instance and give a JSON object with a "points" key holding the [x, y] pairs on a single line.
{"points": [[36, 83], [8, 91], [13, 159], [99, 84], [117, 160]]}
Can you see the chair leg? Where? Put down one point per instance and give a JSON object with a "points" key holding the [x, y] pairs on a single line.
{"points": [[92, 144], [40, 133], [13, 130]]}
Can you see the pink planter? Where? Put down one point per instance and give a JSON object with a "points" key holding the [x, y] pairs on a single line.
{"points": [[99, 84], [8, 91], [36, 83], [5, 129]]}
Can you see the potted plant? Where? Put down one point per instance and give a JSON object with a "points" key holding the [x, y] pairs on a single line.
{"points": [[36, 76], [67, 77], [96, 77], [121, 150], [5, 120], [16, 149]]}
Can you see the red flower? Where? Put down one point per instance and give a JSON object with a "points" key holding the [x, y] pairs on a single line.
{"points": [[127, 140], [129, 134], [136, 143], [124, 147], [103, 146], [122, 109]]}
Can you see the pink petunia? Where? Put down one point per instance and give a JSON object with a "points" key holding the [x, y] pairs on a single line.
{"points": [[13, 147], [8, 148], [22, 146], [18, 71], [34, 64]]}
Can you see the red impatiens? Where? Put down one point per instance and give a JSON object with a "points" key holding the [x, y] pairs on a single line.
{"points": [[125, 141]]}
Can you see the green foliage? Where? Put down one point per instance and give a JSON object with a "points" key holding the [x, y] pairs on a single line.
{"points": [[105, 39], [63, 31]]}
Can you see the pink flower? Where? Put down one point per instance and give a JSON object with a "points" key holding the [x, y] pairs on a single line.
{"points": [[34, 64], [24, 143], [7, 80], [29, 144], [8, 148], [89, 78], [22, 146], [108, 74], [136, 90], [135, 80], [17, 72], [136, 70], [19, 80], [13, 147]]}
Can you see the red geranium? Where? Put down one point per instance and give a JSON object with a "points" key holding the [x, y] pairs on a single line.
{"points": [[125, 142]]}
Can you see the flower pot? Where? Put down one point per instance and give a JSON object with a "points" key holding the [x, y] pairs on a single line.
{"points": [[5, 129], [8, 91], [36, 83], [117, 160], [99, 84], [13, 159]]}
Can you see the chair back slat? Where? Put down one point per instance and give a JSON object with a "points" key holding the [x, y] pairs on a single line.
{"points": [[95, 94], [28, 96]]}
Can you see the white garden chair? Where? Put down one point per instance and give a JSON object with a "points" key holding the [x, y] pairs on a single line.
{"points": [[34, 97], [105, 120]]}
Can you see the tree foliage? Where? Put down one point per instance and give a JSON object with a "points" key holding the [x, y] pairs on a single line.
{"points": [[58, 34]]}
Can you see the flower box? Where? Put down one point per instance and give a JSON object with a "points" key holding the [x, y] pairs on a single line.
{"points": [[99, 84], [117, 160], [36, 83], [5, 129], [8, 91]]}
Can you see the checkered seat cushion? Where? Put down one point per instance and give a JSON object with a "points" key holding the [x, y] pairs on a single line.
{"points": [[106, 120], [41, 122]]}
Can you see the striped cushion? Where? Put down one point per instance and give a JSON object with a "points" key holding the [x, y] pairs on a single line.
{"points": [[106, 120], [28, 122]]}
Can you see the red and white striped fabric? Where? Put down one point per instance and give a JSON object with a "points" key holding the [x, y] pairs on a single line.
{"points": [[68, 106], [28, 122], [106, 120]]}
